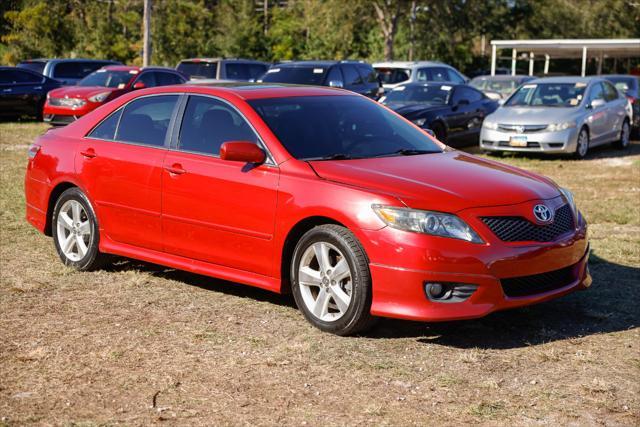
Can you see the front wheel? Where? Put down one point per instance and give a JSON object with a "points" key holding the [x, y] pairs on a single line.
{"points": [[330, 280], [75, 231], [582, 146]]}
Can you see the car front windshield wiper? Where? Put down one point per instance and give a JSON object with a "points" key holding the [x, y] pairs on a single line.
{"points": [[335, 156], [408, 152]]}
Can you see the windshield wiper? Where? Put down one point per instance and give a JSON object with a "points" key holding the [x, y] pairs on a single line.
{"points": [[409, 152], [335, 156]]}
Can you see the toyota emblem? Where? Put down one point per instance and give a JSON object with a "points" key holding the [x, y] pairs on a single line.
{"points": [[520, 129], [542, 213]]}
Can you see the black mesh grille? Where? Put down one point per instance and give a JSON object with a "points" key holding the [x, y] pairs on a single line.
{"points": [[538, 283], [518, 229]]}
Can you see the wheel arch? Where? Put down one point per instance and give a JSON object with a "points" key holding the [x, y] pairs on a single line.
{"points": [[293, 236], [55, 193]]}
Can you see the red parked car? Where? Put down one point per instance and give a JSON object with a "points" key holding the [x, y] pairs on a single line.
{"points": [[316, 191], [68, 103]]}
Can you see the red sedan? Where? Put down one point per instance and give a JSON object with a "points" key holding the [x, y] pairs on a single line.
{"points": [[67, 104], [314, 191]]}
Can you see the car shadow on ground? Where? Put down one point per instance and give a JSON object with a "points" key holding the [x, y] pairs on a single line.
{"points": [[610, 305], [605, 151]]}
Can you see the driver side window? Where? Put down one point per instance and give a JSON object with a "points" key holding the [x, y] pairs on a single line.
{"points": [[208, 123]]}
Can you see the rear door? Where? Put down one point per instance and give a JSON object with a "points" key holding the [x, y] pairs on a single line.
{"points": [[121, 163], [616, 111], [597, 119], [214, 210]]}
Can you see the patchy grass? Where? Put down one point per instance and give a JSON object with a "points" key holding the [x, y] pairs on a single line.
{"points": [[140, 344]]}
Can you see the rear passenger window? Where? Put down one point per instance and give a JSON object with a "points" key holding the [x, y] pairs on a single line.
{"points": [[164, 79], [148, 78], [208, 123], [438, 74], [146, 120], [610, 92], [107, 129]]}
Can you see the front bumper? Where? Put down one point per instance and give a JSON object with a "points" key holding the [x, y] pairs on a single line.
{"points": [[58, 115], [402, 262], [562, 142]]}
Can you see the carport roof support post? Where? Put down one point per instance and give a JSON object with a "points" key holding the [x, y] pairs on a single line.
{"points": [[584, 61], [514, 57], [493, 60]]}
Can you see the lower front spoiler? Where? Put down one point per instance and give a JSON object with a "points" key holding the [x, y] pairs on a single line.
{"points": [[403, 296], [59, 119]]}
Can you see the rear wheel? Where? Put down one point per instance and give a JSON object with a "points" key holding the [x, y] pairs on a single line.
{"points": [[75, 231], [330, 280], [582, 146], [625, 136]]}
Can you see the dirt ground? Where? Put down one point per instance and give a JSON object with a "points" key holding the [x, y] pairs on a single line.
{"points": [[139, 344]]}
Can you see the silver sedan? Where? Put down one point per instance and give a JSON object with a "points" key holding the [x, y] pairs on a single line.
{"points": [[562, 115]]}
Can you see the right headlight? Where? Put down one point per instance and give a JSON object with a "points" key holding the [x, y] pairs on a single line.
{"points": [[490, 125], [428, 222], [556, 127]]}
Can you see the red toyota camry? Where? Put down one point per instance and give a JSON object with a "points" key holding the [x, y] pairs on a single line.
{"points": [[314, 191]]}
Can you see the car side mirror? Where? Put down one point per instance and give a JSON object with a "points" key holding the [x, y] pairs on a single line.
{"points": [[242, 151], [596, 103], [336, 83], [139, 85]]}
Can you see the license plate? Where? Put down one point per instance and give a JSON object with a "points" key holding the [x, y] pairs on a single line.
{"points": [[518, 141]]}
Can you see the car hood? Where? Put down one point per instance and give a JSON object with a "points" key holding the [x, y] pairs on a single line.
{"points": [[409, 109], [534, 115], [450, 181], [82, 92]]}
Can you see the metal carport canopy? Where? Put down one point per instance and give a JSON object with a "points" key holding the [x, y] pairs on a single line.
{"points": [[566, 48]]}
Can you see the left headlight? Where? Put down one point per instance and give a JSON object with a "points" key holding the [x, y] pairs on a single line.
{"points": [[99, 97], [428, 222], [569, 196], [555, 127]]}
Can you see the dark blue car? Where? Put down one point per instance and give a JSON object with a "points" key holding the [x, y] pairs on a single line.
{"points": [[454, 112], [66, 71], [23, 92]]}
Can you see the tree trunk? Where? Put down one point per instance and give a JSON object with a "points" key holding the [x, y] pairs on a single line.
{"points": [[146, 37]]}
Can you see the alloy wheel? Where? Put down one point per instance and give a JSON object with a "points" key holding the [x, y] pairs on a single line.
{"points": [[73, 230], [325, 281], [583, 144], [625, 134]]}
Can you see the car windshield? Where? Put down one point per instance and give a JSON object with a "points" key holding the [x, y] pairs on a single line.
{"points": [[504, 87], [297, 75], [105, 78], [548, 95], [340, 127], [37, 66], [199, 70], [623, 83], [428, 94]]}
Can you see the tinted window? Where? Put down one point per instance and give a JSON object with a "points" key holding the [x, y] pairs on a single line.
{"points": [[18, 77], [199, 70], [145, 120], [438, 74], [367, 73], [324, 126], [351, 76], [208, 123], [393, 75], [165, 79], [298, 75], [610, 92], [107, 129], [335, 75], [37, 66], [624, 83], [548, 95], [76, 69], [597, 92], [244, 72], [462, 92], [148, 78], [454, 77], [105, 78]]}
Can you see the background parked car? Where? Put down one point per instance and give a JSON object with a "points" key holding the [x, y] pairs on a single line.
{"points": [[453, 112], [66, 104], [394, 73], [355, 76], [630, 86], [23, 92], [559, 115], [222, 69], [66, 71], [499, 87]]}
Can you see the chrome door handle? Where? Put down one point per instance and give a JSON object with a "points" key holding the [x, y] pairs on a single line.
{"points": [[175, 169]]}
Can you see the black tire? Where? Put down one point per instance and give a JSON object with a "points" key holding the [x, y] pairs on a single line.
{"points": [[625, 136], [93, 258], [582, 150], [439, 131], [357, 317]]}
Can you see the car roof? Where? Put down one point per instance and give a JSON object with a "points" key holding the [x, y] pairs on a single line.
{"points": [[409, 64], [26, 61], [26, 70], [241, 60], [427, 83], [564, 79], [629, 76], [249, 91], [504, 77]]}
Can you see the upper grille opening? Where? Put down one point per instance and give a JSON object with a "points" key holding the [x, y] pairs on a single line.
{"points": [[518, 229]]}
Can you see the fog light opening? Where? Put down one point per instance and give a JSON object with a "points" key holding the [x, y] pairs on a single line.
{"points": [[448, 292]]}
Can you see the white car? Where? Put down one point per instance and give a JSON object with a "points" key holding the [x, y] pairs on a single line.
{"points": [[394, 73]]}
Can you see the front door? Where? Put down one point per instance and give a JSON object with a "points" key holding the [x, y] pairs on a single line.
{"points": [[214, 210]]}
